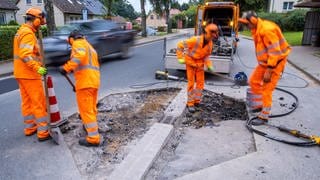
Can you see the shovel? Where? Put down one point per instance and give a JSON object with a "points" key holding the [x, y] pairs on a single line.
{"points": [[54, 132]]}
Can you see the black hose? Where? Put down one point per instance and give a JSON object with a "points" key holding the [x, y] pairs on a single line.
{"points": [[261, 133]]}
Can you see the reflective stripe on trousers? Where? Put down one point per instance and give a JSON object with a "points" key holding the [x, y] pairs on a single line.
{"points": [[254, 101], [195, 84], [87, 100]]}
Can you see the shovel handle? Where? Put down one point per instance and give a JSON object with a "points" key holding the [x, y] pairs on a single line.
{"points": [[70, 82]]}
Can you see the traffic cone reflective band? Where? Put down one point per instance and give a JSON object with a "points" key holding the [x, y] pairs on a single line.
{"points": [[54, 108]]}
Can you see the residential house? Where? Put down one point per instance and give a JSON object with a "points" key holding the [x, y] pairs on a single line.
{"points": [[8, 11], [281, 6], [65, 10], [154, 20]]}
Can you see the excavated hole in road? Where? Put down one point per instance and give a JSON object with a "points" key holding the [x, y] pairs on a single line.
{"points": [[215, 133], [123, 119]]}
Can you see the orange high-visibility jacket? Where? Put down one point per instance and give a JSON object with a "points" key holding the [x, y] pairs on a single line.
{"points": [[193, 52], [26, 53], [271, 46], [85, 65]]}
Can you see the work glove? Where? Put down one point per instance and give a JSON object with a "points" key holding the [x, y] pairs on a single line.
{"points": [[62, 71], [42, 71], [181, 61], [267, 76], [210, 68]]}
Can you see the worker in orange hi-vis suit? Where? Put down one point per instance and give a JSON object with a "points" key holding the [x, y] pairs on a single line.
{"points": [[272, 51], [195, 52], [85, 65], [28, 71]]}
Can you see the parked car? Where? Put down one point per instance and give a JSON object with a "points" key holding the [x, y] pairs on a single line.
{"points": [[107, 37], [150, 31]]}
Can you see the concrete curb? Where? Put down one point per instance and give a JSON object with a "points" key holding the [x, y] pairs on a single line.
{"points": [[141, 157], [305, 72]]}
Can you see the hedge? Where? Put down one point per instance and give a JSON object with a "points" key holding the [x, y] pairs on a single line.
{"points": [[291, 21], [6, 40]]}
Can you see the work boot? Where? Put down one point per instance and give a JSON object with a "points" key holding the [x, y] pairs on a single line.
{"points": [[84, 142], [44, 138], [30, 133], [258, 121], [191, 109]]}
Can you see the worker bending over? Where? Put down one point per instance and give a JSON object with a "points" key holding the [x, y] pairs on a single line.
{"points": [[85, 65], [28, 71], [272, 51], [195, 52]]}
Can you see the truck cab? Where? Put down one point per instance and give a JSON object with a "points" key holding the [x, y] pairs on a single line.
{"points": [[225, 15]]}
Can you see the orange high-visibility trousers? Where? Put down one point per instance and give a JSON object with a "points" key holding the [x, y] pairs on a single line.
{"points": [[87, 104], [195, 75], [33, 107], [258, 87]]}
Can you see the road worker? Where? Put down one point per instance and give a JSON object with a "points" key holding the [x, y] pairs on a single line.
{"points": [[28, 71], [195, 52], [85, 65], [272, 51]]}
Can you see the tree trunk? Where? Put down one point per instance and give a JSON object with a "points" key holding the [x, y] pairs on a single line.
{"points": [[143, 19], [51, 25], [168, 20]]}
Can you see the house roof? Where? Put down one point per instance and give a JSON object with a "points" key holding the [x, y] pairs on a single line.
{"points": [[76, 6], [96, 7], [8, 4], [308, 4]]}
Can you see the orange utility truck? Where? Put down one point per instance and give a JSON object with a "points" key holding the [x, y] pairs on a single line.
{"points": [[225, 15]]}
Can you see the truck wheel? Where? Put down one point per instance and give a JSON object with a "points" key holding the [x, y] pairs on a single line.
{"points": [[125, 51]]}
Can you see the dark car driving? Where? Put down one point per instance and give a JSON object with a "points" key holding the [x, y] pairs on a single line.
{"points": [[107, 37]]}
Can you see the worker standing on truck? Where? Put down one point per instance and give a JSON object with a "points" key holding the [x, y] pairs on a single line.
{"points": [[85, 65], [272, 51], [195, 52], [28, 70]]}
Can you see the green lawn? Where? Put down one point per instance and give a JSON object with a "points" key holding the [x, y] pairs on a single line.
{"points": [[293, 38]]}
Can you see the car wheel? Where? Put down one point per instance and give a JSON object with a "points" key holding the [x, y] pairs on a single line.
{"points": [[125, 51]]}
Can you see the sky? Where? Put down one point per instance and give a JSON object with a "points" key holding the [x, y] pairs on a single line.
{"points": [[136, 4]]}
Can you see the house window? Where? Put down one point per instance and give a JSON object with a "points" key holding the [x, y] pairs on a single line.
{"points": [[28, 1], [287, 6], [151, 17], [39, 1], [2, 18]]}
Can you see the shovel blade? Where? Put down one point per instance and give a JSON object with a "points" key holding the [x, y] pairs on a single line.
{"points": [[56, 135]]}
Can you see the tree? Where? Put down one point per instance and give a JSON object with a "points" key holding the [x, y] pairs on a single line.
{"points": [[184, 7], [108, 4], [256, 5], [161, 6], [51, 25], [124, 9], [143, 18]]}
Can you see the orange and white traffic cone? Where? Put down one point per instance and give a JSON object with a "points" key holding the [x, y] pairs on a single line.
{"points": [[54, 108]]}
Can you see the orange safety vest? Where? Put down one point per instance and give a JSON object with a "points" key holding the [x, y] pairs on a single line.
{"points": [[271, 46], [193, 52], [26, 53], [84, 62]]}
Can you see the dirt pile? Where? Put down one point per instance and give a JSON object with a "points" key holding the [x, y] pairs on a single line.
{"points": [[214, 108]]}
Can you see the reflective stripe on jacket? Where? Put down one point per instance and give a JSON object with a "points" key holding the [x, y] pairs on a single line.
{"points": [[26, 53], [84, 62], [271, 46], [193, 52]]}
